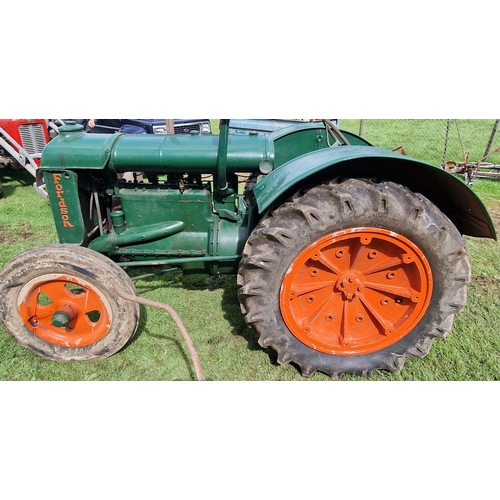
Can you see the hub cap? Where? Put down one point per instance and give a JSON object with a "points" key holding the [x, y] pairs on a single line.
{"points": [[64, 310], [356, 291]]}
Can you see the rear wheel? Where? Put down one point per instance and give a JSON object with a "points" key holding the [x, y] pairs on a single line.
{"points": [[59, 302], [353, 276]]}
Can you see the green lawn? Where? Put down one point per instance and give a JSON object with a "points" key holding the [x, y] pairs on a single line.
{"points": [[227, 348], [425, 139]]}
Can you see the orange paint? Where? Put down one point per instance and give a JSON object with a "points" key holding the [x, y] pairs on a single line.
{"points": [[356, 291]]}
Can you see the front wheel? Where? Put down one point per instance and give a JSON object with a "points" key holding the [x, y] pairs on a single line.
{"points": [[353, 276], [58, 301]]}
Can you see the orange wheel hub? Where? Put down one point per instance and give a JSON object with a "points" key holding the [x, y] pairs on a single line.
{"points": [[64, 310], [356, 291]]}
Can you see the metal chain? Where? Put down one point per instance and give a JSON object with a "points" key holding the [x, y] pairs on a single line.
{"points": [[445, 143], [492, 138]]}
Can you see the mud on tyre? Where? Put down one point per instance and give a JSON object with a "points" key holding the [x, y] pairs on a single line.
{"points": [[353, 276], [59, 302]]}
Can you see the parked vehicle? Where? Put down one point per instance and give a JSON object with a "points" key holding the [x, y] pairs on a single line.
{"points": [[147, 126], [263, 126], [22, 142], [349, 258]]}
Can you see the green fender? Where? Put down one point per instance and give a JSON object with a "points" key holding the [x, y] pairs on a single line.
{"points": [[449, 193]]}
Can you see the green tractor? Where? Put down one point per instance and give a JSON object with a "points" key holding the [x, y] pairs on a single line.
{"points": [[349, 258]]}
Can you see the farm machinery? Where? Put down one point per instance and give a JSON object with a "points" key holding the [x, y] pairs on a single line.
{"points": [[22, 142], [473, 170], [349, 258]]}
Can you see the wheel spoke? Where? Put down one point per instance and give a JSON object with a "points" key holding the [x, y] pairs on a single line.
{"points": [[398, 291], [386, 326], [87, 300], [42, 312], [299, 289], [344, 331], [330, 264], [322, 313], [357, 247], [383, 265]]}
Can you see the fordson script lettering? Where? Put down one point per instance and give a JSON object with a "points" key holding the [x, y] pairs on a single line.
{"points": [[63, 209]]}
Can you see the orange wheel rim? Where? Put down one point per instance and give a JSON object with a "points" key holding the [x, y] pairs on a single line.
{"points": [[64, 310], [356, 291]]}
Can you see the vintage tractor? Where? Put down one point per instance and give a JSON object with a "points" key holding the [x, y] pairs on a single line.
{"points": [[22, 142], [349, 258]]}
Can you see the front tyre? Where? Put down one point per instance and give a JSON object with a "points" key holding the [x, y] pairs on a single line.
{"points": [[58, 301], [353, 276]]}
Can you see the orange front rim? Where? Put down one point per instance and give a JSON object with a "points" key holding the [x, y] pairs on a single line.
{"points": [[356, 291], [64, 310]]}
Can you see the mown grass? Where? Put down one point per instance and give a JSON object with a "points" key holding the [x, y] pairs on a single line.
{"points": [[209, 308], [426, 139]]}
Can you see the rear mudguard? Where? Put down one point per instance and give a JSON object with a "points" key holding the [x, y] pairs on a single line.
{"points": [[449, 193]]}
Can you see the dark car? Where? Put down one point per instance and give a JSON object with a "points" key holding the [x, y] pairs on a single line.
{"points": [[147, 126]]}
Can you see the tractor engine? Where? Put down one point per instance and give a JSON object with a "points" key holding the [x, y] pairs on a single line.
{"points": [[142, 200]]}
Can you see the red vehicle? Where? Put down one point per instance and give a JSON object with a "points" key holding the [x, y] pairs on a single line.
{"points": [[22, 142]]}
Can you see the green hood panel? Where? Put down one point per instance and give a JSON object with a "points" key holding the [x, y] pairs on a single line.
{"points": [[196, 153], [73, 148]]}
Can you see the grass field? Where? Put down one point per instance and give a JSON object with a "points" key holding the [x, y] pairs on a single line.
{"points": [[228, 349]]}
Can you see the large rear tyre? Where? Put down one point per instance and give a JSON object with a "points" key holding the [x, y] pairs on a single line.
{"points": [[58, 301], [353, 276]]}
